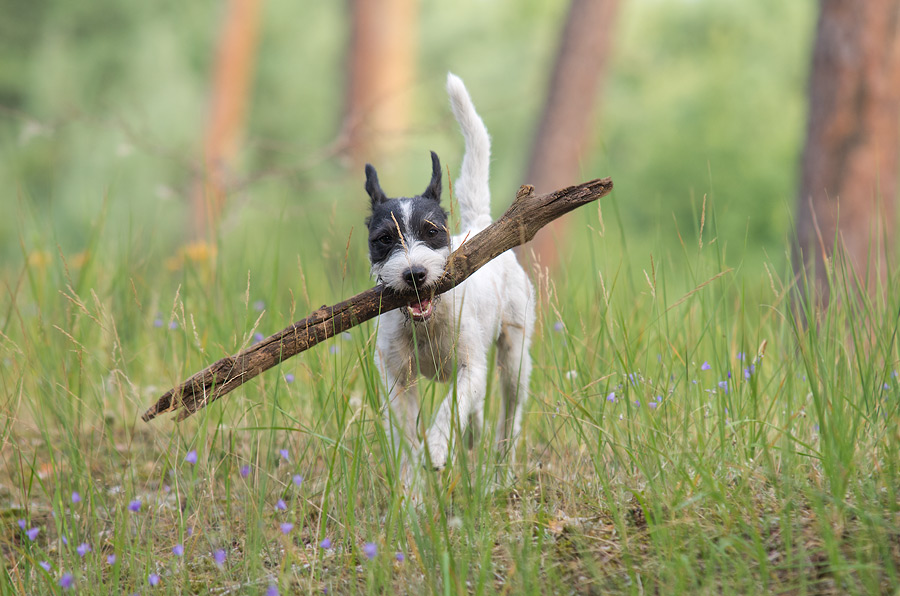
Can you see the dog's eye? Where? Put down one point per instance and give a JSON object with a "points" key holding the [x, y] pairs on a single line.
{"points": [[432, 232], [385, 239]]}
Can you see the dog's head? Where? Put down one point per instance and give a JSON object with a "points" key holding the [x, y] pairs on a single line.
{"points": [[409, 241]]}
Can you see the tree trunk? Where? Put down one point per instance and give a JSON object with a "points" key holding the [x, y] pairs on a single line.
{"points": [[565, 128], [850, 165], [231, 86], [381, 70]]}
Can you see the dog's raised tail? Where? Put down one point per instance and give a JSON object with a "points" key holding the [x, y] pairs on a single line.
{"points": [[472, 189]]}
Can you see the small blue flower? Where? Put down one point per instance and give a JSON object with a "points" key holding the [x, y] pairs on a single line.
{"points": [[558, 326], [289, 378], [286, 527], [280, 505], [178, 550], [326, 543], [272, 590], [22, 523], [76, 498], [153, 579], [219, 557], [284, 454], [258, 337], [611, 397], [134, 506], [157, 322], [66, 581], [191, 457], [83, 549], [346, 336], [33, 533], [652, 404], [173, 325], [334, 349], [705, 366], [370, 550], [297, 479], [45, 565], [111, 559], [259, 306], [400, 557], [245, 471]]}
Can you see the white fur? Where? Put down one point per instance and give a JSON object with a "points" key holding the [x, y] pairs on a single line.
{"points": [[495, 305], [472, 189]]}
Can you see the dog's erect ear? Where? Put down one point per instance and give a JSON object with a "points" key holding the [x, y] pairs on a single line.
{"points": [[373, 187], [434, 187]]}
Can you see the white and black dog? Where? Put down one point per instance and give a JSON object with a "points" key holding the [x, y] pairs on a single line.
{"points": [[409, 243]]}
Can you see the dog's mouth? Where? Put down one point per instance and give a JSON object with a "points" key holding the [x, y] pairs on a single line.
{"points": [[422, 310]]}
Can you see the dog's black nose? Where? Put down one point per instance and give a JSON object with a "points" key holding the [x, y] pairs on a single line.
{"points": [[415, 276]]}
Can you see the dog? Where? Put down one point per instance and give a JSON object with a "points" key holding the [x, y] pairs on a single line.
{"points": [[439, 336]]}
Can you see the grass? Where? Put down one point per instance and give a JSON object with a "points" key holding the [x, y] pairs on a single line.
{"points": [[687, 433]]}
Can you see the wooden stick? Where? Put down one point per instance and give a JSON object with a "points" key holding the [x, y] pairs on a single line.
{"points": [[527, 214]]}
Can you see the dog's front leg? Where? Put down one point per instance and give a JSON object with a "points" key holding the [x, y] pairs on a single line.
{"points": [[465, 399]]}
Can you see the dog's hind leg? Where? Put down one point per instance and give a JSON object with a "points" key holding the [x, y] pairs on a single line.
{"points": [[514, 363]]}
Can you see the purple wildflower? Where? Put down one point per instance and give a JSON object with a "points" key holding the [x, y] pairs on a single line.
{"points": [[33, 533], [153, 579], [22, 523], [259, 306], [76, 498], [284, 454], [611, 397], [272, 590], [400, 557], [370, 550], [298, 479], [191, 457], [558, 326], [134, 506], [178, 550], [245, 471], [705, 366], [45, 565], [258, 337], [286, 527], [66, 581], [219, 557], [190, 531], [111, 559], [652, 404], [326, 543], [334, 349], [157, 322], [173, 325], [280, 505], [637, 403], [83, 549], [289, 378]]}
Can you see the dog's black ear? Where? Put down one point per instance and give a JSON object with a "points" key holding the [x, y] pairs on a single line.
{"points": [[373, 187], [434, 187]]}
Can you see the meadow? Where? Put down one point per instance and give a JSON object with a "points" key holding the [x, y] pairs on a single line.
{"points": [[685, 434], [696, 423]]}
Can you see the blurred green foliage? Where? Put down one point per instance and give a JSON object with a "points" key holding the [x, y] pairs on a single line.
{"points": [[102, 107]]}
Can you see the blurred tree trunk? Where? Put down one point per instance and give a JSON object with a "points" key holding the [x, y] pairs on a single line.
{"points": [[565, 127], [848, 185], [381, 70], [232, 78]]}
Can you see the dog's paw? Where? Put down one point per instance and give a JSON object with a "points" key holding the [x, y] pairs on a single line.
{"points": [[437, 450]]}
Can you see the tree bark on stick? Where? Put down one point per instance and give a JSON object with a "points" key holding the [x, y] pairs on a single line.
{"points": [[527, 214], [849, 183]]}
